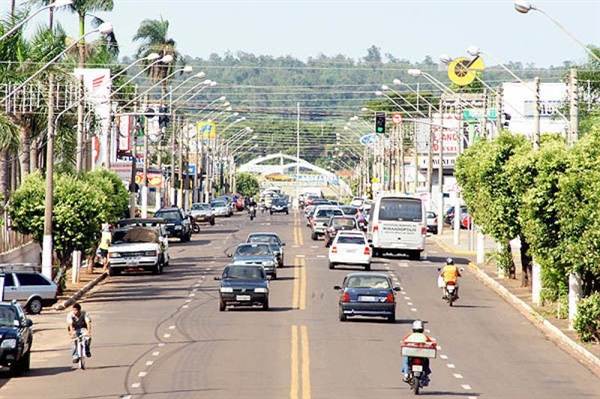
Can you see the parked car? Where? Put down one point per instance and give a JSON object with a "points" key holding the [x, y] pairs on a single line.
{"points": [[16, 338], [350, 248], [178, 225], [279, 205], [273, 240], [220, 208], [202, 213], [136, 247], [449, 215], [243, 285], [338, 223], [432, 222], [256, 254], [25, 283], [367, 294], [320, 219]]}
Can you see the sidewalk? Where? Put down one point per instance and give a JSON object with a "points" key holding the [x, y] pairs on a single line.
{"points": [[520, 297], [74, 291]]}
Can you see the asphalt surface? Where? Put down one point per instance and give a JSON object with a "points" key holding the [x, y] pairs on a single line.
{"points": [[163, 336]]}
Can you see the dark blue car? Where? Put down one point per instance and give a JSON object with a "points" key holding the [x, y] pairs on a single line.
{"points": [[243, 285], [367, 294]]}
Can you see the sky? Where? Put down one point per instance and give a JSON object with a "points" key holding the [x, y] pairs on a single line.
{"points": [[406, 29]]}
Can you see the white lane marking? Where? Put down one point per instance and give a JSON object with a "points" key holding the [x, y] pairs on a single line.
{"points": [[457, 376], [467, 387], [136, 385], [155, 353], [388, 268], [403, 292], [439, 347], [185, 306], [413, 309], [409, 303], [426, 330], [192, 294], [167, 335], [295, 246], [149, 363], [126, 397], [161, 344], [300, 256], [408, 298], [443, 357], [171, 327], [451, 366], [142, 374], [314, 246], [321, 256], [188, 300], [402, 264]]}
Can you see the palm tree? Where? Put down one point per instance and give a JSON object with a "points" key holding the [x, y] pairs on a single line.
{"points": [[154, 37]]}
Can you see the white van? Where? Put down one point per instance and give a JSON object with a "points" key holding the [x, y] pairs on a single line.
{"points": [[397, 224]]}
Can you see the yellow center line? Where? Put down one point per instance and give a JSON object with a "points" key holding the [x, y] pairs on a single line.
{"points": [[305, 364], [302, 283], [296, 292], [294, 387]]}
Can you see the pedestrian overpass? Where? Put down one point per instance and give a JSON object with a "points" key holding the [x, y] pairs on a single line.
{"points": [[283, 174]]}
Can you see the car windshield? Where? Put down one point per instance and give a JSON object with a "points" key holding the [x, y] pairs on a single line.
{"points": [[272, 240], [7, 316], [374, 282], [402, 209], [253, 250], [200, 207], [342, 222], [218, 204], [135, 235], [243, 272], [358, 240], [168, 215], [328, 213]]}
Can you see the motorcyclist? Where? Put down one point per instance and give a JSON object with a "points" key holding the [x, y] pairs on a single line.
{"points": [[450, 273], [252, 205], [419, 336]]}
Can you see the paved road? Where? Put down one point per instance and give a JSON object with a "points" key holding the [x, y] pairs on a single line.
{"points": [[163, 337]]}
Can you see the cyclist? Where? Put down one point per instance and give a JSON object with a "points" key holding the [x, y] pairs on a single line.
{"points": [[79, 323]]}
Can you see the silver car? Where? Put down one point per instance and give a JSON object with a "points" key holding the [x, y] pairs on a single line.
{"points": [[26, 284], [220, 208], [256, 254]]}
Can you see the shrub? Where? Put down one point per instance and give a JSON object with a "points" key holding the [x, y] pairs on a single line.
{"points": [[587, 320]]}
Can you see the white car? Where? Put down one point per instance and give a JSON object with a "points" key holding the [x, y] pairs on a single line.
{"points": [[220, 208], [350, 248]]}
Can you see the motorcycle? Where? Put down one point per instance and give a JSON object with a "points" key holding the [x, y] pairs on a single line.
{"points": [[252, 212], [418, 358], [450, 292], [195, 226]]}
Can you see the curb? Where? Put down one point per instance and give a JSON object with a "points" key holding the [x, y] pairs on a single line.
{"points": [[557, 336], [563, 341], [73, 298]]}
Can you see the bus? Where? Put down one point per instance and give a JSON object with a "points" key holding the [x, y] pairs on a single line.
{"points": [[397, 224]]}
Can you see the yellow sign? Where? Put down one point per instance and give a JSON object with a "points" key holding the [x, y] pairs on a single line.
{"points": [[375, 180], [461, 71], [207, 130]]}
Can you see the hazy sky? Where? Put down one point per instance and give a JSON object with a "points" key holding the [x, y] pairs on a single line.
{"points": [[407, 29]]}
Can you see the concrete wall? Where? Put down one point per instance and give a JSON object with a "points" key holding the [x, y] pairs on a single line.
{"points": [[28, 253]]}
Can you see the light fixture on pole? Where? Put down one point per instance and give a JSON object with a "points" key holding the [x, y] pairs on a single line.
{"points": [[524, 7], [56, 4], [437, 83]]}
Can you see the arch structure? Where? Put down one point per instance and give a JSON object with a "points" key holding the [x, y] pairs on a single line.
{"points": [[286, 169]]}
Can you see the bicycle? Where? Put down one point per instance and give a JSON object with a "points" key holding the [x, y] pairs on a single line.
{"points": [[81, 342]]}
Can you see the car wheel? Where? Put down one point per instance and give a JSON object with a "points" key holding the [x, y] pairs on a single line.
{"points": [[25, 362], [368, 267], [113, 271], [265, 305], [392, 318], [221, 306], [331, 265], [271, 212], [212, 222], [157, 269], [415, 255], [313, 237], [342, 316], [274, 276], [34, 306], [287, 212]]}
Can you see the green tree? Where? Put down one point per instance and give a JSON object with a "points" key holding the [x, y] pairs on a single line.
{"points": [[247, 184]]}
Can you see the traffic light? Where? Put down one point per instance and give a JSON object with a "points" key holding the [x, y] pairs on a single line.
{"points": [[380, 122]]}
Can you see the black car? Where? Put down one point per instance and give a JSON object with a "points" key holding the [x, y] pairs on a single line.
{"points": [[243, 285], [16, 337], [367, 294], [337, 223], [279, 205], [178, 224]]}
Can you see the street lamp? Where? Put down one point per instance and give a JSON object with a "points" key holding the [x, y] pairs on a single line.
{"points": [[56, 4], [105, 29], [524, 7], [441, 86]]}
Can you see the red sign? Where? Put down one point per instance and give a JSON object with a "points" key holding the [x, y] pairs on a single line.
{"points": [[397, 118]]}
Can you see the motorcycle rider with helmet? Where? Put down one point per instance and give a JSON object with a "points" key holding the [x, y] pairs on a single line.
{"points": [[252, 206], [450, 273], [419, 336]]}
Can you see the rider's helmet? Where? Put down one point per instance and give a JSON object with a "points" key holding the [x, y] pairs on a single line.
{"points": [[449, 261], [417, 326]]}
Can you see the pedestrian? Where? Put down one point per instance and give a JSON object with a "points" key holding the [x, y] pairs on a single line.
{"points": [[105, 241]]}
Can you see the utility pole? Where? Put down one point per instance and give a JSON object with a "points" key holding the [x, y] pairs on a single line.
{"points": [[536, 115], [573, 108], [47, 244], [146, 162], [133, 146], [441, 170], [430, 142]]}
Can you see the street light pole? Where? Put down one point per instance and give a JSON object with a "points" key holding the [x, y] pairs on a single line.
{"points": [[56, 4]]}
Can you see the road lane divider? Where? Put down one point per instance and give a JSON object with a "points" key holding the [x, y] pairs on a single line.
{"points": [[300, 367], [299, 292]]}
